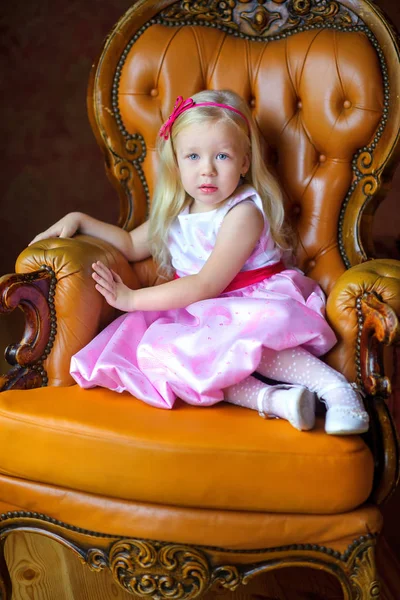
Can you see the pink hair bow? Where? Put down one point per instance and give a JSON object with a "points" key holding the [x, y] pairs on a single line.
{"points": [[181, 106]]}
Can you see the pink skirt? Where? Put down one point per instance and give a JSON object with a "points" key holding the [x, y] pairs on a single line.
{"points": [[194, 353]]}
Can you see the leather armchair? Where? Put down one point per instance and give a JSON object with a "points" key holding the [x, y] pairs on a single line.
{"points": [[176, 502]]}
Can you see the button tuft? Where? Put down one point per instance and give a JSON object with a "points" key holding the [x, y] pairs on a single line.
{"points": [[154, 92], [296, 209]]}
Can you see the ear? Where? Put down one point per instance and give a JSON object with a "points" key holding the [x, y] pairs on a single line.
{"points": [[245, 165]]}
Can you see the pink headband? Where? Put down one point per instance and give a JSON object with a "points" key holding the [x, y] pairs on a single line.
{"points": [[182, 106]]}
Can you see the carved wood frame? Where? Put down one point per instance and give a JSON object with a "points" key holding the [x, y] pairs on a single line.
{"points": [[152, 569], [33, 293]]}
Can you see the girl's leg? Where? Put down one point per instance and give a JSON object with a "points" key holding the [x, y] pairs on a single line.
{"points": [[345, 414], [294, 403]]}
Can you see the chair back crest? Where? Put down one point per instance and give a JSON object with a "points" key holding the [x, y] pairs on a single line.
{"points": [[320, 78]]}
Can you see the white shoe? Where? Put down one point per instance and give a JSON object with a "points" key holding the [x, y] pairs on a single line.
{"points": [[343, 420], [298, 403]]}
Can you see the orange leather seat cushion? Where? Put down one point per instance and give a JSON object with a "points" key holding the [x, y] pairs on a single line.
{"points": [[221, 457], [244, 530]]}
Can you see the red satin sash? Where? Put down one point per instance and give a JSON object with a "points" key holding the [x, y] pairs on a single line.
{"points": [[245, 278]]}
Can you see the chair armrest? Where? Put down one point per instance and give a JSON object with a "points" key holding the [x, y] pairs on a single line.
{"points": [[63, 311], [363, 309]]}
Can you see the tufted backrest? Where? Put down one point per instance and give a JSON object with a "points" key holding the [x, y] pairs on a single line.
{"points": [[318, 92]]}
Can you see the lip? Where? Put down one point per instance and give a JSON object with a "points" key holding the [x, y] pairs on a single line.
{"points": [[208, 189]]}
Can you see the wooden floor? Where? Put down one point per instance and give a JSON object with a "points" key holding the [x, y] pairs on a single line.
{"points": [[42, 569]]}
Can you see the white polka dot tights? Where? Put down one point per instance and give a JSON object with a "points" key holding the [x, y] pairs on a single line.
{"points": [[299, 367]]}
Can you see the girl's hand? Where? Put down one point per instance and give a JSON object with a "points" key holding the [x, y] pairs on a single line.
{"points": [[110, 285], [64, 228]]}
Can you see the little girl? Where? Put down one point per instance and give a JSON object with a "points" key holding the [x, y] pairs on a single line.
{"points": [[233, 308]]}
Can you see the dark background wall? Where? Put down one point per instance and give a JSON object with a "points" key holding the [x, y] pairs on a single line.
{"points": [[50, 162]]}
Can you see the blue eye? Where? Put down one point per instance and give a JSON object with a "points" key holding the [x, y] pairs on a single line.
{"points": [[222, 156], [193, 156]]}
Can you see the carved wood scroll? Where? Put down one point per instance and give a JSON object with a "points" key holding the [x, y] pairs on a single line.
{"points": [[33, 293]]}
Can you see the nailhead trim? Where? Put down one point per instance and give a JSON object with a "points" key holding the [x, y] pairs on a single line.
{"points": [[38, 366], [360, 322]]}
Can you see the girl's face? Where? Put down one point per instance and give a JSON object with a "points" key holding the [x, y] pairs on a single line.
{"points": [[211, 158]]}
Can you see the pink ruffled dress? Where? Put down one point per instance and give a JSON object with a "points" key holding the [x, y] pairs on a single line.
{"points": [[195, 352]]}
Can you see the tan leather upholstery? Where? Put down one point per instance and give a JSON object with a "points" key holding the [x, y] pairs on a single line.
{"points": [[313, 129], [203, 526], [379, 276], [104, 441], [81, 311]]}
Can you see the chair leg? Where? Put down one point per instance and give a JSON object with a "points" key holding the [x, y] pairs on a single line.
{"points": [[5, 579], [364, 577]]}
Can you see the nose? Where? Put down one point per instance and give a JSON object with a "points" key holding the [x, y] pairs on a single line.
{"points": [[208, 168]]}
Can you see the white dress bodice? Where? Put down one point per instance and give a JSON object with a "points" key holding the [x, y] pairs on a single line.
{"points": [[192, 237]]}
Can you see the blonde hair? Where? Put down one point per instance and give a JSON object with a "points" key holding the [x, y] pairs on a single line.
{"points": [[170, 197]]}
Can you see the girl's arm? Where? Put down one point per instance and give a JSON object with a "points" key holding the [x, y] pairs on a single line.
{"points": [[133, 245], [237, 237]]}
